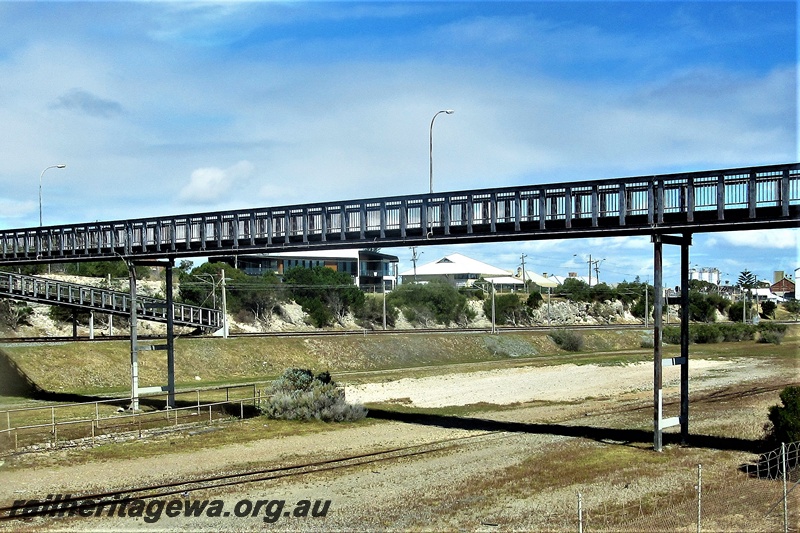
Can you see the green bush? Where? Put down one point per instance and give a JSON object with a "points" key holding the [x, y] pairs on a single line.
{"points": [[371, 313], [534, 300], [784, 421], [508, 309], [770, 332], [737, 331], [706, 334], [431, 303], [567, 339], [768, 309], [299, 395], [672, 335]]}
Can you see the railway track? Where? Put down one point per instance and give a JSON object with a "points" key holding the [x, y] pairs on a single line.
{"points": [[183, 488], [318, 333], [40, 508]]}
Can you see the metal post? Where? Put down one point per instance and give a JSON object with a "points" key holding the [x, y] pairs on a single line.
{"points": [[170, 338], [91, 325], [785, 503], [494, 328], [224, 306], [657, 355], [580, 513], [699, 496], [134, 343], [384, 303], [684, 414]]}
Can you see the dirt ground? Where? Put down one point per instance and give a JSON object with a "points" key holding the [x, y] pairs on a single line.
{"points": [[564, 430]]}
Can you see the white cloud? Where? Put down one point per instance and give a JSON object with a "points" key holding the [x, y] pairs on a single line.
{"points": [[211, 185], [776, 239]]}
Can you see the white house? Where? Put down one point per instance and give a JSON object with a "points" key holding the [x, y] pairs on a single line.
{"points": [[458, 270]]}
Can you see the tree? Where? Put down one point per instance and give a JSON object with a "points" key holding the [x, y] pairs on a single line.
{"points": [[576, 290], [509, 309], [430, 303], [784, 420], [747, 281], [325, 294]]}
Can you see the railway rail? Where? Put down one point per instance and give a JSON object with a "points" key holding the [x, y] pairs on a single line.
{"points": [[320, 333], [184, 487], [31, 509]]}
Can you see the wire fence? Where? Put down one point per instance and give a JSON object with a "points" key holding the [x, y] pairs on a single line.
{"points": [[760, 497], [34, 428]]}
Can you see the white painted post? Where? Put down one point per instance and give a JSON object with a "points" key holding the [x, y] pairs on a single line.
{"points": [[785, 503], [699, 495]]}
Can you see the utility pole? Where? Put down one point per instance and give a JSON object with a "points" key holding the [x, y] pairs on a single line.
{"points": [[524, 279], [414, 258], [590, 270], [224, 306]]}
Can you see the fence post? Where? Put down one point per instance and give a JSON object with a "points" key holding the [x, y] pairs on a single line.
{"points": [[699, 495], [241, 409], [580, 513], [97, 413], [785, 501], [209, 413], [8, 419], [198, 401]]}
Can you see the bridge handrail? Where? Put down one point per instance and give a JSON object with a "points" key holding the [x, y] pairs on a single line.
{"points": [[46, 290], [697, 200]]}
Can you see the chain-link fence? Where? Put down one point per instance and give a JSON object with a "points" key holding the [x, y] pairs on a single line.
{"points": [[761, 496]]}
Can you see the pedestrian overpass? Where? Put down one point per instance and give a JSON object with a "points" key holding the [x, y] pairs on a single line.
{"points": [[48, 291], [667, 207]]}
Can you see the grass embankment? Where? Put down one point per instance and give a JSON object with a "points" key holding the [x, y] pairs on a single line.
{"points": [[104, 367]]}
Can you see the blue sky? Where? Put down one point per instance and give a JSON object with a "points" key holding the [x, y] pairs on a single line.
{"points": [[162, 108]]}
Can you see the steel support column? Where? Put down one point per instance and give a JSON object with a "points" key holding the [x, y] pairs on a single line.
{"points": [[170, 338], [659, 422], [684, 416], [658, 305], [134, 344]]}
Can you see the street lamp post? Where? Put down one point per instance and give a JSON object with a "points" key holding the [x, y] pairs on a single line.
{"points": [[430, 153], [40, 188]]}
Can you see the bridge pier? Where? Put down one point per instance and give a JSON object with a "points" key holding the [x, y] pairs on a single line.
{"points": [[659, 422], [169, 347]]}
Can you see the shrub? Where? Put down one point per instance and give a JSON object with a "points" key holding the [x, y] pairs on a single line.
{"points": [[299, 395], [768, 309], [534, 300], [770, 332], [706, 334], [434, 302], [737, 332], [508, 309], [567, 339], [671, 335], [784, 421]]}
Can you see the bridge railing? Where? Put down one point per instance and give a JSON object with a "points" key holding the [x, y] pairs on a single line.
{"points": [[700, 201], [54, 292]]}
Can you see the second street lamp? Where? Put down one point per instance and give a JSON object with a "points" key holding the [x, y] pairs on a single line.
{"points": [[449, 112], [40, 188]]}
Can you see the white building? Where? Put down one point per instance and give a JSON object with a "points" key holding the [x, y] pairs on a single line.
{"points": [[458, 270]]}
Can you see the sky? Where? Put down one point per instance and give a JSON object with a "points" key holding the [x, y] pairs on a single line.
{"points": [[166, 108]]}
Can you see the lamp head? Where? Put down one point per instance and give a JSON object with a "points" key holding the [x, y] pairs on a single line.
{"points": [[61, 166], [449, 111]]}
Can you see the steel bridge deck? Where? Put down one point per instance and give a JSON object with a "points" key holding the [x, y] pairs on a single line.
{"points": [[716, 200]]}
